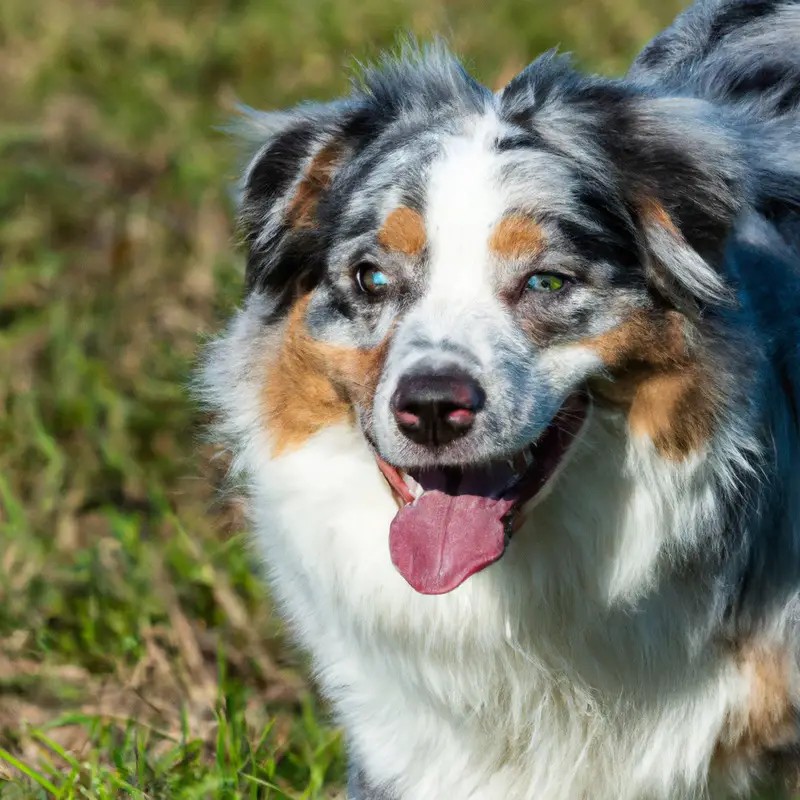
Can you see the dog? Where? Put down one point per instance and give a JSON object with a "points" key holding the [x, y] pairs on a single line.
{"points": [[513, 396]]}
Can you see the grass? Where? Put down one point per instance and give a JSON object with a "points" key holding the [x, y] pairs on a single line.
{"points": [[139, 656]]}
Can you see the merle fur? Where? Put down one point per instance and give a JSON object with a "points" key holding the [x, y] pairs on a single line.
{"points": [[726, 169]]}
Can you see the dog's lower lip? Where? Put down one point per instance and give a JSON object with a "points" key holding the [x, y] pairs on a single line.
{"points": [[395, 480]]}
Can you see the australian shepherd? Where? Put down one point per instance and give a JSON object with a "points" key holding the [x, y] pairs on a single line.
{"points": [[514, 397]]}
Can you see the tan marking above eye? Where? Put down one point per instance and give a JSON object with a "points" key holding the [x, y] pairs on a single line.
{"points": [[517, 236], [663, 387], [403, 231], [311, 385]]}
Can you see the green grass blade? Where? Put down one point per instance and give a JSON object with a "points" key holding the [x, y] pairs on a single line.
{"points": [[30, 773]]}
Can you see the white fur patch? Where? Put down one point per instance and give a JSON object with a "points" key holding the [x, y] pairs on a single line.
{"points": [[464, 204]]}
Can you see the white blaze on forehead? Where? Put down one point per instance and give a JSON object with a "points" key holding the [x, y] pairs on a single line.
{"points": [[460, 309], [463, 204]]}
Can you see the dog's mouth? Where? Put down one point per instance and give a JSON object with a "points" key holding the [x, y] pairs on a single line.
{"points": [[455, 521]]}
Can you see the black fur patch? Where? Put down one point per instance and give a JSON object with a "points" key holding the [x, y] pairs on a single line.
{"points": [[763, 79], [617, 242], [739, 14], [656, 53], [279, 165], [529, 140], [299, 267]]}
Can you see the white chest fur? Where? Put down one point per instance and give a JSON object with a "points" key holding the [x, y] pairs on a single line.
{"points": [[572, 668]]}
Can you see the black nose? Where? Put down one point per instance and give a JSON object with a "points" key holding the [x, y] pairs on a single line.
{"points": [[433, 408]]}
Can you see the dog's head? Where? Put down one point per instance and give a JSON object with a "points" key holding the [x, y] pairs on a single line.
{"points": [[462, 274]]}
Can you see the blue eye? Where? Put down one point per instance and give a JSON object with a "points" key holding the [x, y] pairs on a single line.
{"points": [[372, 280], [545, 282]]}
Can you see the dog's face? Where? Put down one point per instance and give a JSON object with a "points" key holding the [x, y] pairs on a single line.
{"points": [[462, 274]]}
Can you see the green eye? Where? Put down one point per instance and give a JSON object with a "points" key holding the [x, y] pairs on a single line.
{"points": [[544, 282]]}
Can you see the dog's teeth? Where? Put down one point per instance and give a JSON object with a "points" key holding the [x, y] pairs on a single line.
{"points": [[415, 488], [528, 456]]}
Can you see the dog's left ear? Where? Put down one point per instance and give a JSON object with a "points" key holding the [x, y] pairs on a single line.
{"points": [[682, 175]]}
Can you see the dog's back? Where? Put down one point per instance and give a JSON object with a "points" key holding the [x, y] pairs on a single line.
{"points": [[737, 52], [743, 56]]}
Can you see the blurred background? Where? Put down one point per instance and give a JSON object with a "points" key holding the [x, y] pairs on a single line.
{"points": [[138, 653]]}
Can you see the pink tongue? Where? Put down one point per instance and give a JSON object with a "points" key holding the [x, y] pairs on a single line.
{"points": [[438, 541]]}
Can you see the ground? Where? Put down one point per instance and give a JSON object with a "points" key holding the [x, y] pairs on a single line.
{"points": [[138, 653]]}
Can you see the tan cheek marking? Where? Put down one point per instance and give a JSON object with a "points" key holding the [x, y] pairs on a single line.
{"points": [[643, 339], [313, 385], [301, 212], [665, 392], [403, 232], [516, 236], [769, 721], [675, 412], [299, 399]]}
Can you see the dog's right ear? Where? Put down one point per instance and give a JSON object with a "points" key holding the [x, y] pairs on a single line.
{"points": [[297, 156]]}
